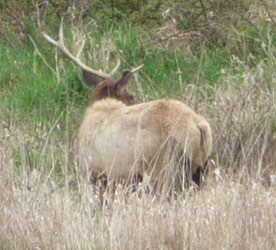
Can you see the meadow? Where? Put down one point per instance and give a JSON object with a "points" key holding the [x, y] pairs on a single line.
{"points": [[220, 61]]}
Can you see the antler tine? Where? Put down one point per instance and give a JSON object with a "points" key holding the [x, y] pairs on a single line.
{"points": [[50, 40], [137, 68], [60, 34], [80, 49], [76, 59], [60, 42], [116, 68]]}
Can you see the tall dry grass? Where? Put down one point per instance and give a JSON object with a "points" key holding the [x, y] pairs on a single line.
{"points": [[236, 210]]}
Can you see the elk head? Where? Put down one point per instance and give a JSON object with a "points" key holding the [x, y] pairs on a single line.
{"points": [[108, 87]]}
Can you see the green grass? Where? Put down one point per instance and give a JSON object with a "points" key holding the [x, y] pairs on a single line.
{"points": [[254, 44], [31, 89], [44, 86]]}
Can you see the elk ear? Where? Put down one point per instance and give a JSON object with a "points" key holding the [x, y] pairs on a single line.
{"points": [[123, 81], [91, 80]]}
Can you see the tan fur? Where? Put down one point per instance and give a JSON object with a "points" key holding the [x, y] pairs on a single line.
{"points": [[118, 140]]}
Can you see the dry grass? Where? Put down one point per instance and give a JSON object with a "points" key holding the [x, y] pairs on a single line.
{"points": [[225, 215], [243, 120], [237, 210]]}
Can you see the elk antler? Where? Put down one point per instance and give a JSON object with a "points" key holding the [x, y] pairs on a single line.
{"points": [[76, 59], [136, 69]]}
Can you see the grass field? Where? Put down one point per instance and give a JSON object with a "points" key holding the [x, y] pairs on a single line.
{"points": [[44, 204]]}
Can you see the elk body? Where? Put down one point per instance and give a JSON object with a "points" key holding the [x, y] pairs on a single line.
{"points": [[163, 139]]}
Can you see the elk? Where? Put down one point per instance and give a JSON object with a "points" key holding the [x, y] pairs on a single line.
{"points": [[118, 138]]}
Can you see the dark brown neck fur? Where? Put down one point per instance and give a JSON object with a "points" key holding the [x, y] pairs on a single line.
{"points": [[105, 90]]}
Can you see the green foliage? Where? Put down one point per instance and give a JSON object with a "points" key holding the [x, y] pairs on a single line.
{"points": [[254, 44], [29, 86], [27, 158], [165, 67], [137, 11], [43, 84], [14, 4]]}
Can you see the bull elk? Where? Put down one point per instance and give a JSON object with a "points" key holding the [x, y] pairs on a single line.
{"points": [[163, 139]]}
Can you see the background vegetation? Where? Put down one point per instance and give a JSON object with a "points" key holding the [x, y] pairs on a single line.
{"points": [[217, 56]]}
